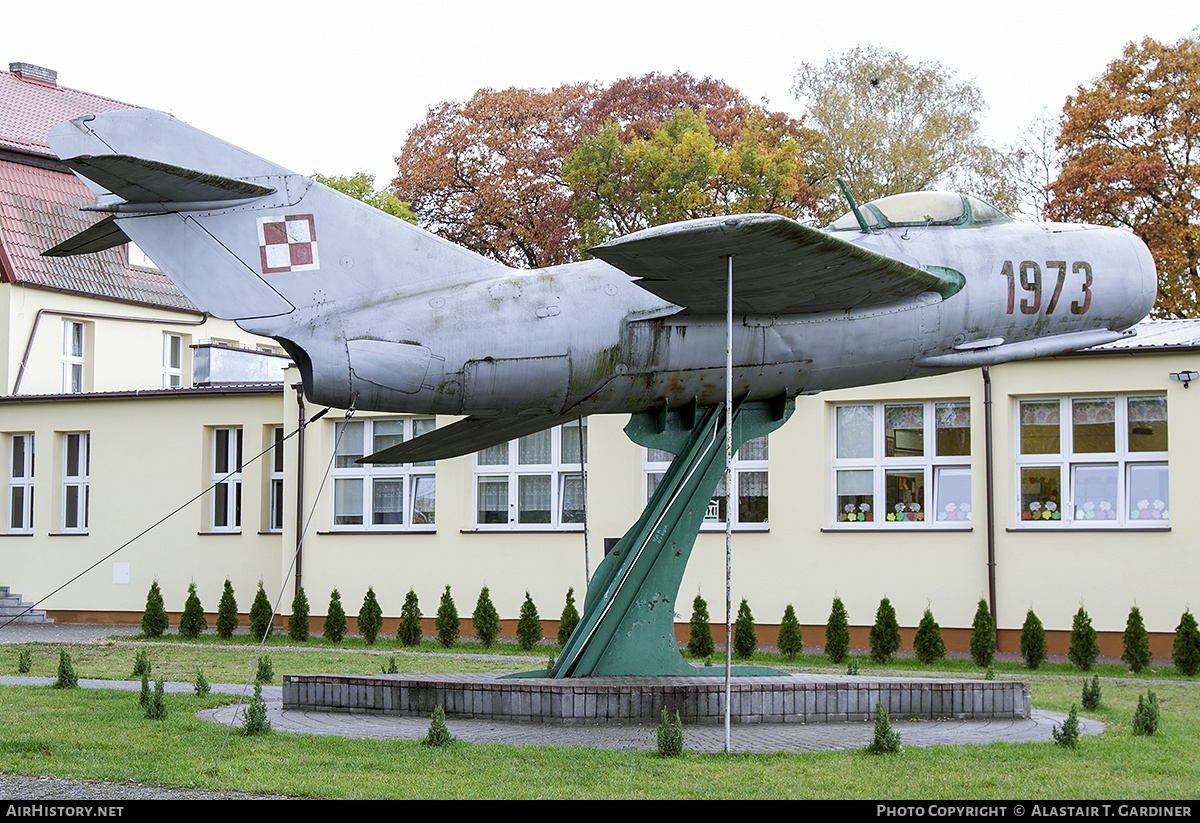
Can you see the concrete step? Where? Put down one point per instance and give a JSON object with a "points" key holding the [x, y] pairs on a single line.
{"points": [[11, 606]]}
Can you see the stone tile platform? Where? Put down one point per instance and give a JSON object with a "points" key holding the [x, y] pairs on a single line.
{"points": [[805, 698]]}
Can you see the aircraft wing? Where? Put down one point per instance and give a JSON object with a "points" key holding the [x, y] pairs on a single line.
{"points": [[779, 267], [466, 436]]}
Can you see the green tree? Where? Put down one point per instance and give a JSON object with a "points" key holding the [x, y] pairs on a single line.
{"points": [[889, 125], [261, 614], [1033, 641], [485, 619], [745, 638], [700, 640], [409, 632], [154, 619], [569, 618], [1085, 646], [361, 186], [227, 613], [370, 617], [837, 632], [192, 622], [298, 619], [447, 622], [884, 638], [529, 625], [1136, 642], [983, 635], [791, 638], [335, 618], [928, 642], [1185, 651]]}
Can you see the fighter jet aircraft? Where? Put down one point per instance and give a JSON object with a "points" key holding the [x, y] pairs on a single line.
{"points": [[386, 316]]}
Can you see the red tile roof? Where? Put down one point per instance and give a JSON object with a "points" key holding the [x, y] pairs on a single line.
{"points": [[29, 107]]}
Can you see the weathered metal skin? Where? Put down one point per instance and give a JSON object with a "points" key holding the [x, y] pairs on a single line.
{"points": [[385, 316]]}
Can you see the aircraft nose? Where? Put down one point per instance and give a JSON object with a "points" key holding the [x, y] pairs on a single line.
{"points": [[1146, 281]]}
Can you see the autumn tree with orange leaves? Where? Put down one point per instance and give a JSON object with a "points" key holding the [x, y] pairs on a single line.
{"points": [[488, 174], [1131, 145]]}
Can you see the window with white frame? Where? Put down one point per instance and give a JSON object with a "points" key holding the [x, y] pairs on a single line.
{"points": [[226, 497], [903, 464], [749, 485], [76, 481], [534, 482], [275, 479], [20, 483], [1094, 461], [73, 359], [172, 362], [381, 496]]}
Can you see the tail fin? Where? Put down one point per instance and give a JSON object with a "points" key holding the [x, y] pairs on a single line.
{"points": [[241, 236]]}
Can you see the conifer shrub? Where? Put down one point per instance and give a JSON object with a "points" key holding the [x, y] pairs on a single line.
{"points": [[928, 642], [745, 639], [65, 678], [409, 632], [485, 619], [700, 640], [1033, 641], [887, 739], [529, 625], [837, 633], [569, 618], [370, 617], [1085, 646], [852, 667], [254, 716], [1146, 717], [438, 734], [335, 619], [156, 709], [192, 622], [447, 622], [1091, 693], [202, 685], [1067, 735], [154, 619], [670, 736], [390, 667], [141, 663], [1137, 642], [227, 613], [261, 614], [24, 661], [884, 638], [983, 636], [1185, 652], [265, 671], [791, 637], [145, 696], [298, 619]]}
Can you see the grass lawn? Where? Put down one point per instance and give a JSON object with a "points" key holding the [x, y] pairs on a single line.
{"points": [[102, 734]]}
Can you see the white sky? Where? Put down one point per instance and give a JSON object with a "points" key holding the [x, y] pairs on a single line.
{"points": [[335, 87]]}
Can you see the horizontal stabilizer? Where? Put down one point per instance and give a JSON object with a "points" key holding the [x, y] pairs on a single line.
{"points": [[466, 436], [138, 180], [100, 236]]}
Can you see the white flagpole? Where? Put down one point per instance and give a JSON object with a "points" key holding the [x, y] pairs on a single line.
{"points": [[728, 494]]}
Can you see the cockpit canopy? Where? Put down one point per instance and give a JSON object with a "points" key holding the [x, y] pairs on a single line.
{"points": [[923, 208]]}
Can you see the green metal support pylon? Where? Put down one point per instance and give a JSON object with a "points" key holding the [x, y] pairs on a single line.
{"points": [[628, 621]]}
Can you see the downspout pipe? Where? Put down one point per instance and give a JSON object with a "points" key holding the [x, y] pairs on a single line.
{"points": [[990, 493]]}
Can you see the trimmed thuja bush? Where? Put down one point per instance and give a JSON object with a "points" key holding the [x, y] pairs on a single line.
{"points": [[1091, 693], [569, 618], [1146, 716], [370, 617], [1085, 647], [24, 661], [983, 635], [202, 686], [66, 677], [884, 638], [837, 633], [154, 619], [141, 663], [156, 709], [1067, 735], [745, 639], [255, 715], [335, 618], [409, 632], [260, 614], [446, 622], [700, 640], [227, 613], [1033, 641], [298, 619], [928, 642], [485, 619], [670, 736], [1185, 652], [192, 622], [1137, 642], [887, 739], [529, 626], [791, 638], [438, 734]]}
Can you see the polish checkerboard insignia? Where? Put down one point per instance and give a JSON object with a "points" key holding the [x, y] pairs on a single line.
{"points": [[288, 243]]}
